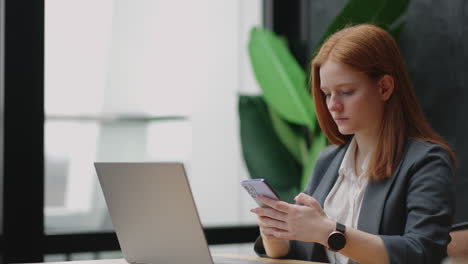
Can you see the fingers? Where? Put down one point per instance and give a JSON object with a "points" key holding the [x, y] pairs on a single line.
{"points": [[307, 200], [275, 204], [270, 222], [270, 212], [270, 219], [272, 233]]}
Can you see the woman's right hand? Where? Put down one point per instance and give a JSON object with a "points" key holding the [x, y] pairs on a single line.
{"points": [[266, 229], [274, 247]]}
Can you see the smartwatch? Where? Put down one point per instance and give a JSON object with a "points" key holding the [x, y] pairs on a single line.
{"points": [[337, 238]]}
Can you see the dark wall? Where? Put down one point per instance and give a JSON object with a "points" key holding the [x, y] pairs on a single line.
{"points": [[434, 44]]}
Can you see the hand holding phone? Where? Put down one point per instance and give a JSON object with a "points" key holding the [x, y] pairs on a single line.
{"points": [[259, 187]]}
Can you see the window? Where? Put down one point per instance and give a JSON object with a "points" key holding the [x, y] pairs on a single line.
{"points": [[148, 80]]}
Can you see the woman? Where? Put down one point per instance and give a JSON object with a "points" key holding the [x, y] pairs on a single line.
{"points": [[382, 193]]}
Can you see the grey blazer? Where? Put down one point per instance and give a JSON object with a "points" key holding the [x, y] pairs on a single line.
{"points": [[411, 211]]}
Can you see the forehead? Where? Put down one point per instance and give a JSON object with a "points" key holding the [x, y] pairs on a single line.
{"points": [[333, 73]]}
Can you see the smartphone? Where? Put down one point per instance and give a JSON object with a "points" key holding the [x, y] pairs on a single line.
{"points": [[258, 187]]}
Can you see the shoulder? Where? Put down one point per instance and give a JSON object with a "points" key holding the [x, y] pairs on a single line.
{"points": [[427, 163], [420, 152]]}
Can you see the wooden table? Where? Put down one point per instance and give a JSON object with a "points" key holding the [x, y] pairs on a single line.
{"points": [[266, 260]]}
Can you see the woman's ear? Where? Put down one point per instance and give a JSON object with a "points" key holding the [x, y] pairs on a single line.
{"points": [[386, 86]]}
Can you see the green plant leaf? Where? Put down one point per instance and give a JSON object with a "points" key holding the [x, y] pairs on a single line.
{"points": [[290, 138], [318, 144], [264, 155], [390, 11], [281, 78], [354, 12], [395, 31]]}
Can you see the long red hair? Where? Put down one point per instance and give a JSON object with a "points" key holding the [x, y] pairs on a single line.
{"points": [[371, 50]]}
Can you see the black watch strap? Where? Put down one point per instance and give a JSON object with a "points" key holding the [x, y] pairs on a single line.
{"points": [[340, 227]]}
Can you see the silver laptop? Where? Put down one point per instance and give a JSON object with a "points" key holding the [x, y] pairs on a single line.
{"points": [[154, 215]]}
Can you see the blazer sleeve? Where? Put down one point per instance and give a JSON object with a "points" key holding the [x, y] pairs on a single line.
{"points": [[430, 208]]}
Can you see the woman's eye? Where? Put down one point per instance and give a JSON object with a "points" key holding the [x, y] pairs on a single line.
{"points": [[348, 93], [327, 94]]}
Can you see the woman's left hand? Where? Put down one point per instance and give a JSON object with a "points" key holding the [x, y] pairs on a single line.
{"points": [[307, 223]]}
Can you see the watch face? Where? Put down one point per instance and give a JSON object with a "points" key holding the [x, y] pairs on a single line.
{"points": [[336, 241]]}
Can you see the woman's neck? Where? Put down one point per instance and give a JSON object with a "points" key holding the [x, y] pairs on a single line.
{"points": [[364, 145]]}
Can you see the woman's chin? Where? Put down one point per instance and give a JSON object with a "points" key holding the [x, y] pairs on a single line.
{"points": [[345, 131]]}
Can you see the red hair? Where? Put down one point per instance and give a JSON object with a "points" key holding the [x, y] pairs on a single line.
{"points": [[371, 50]]}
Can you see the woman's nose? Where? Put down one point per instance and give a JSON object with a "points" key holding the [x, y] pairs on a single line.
{"points": [[334, 104]]}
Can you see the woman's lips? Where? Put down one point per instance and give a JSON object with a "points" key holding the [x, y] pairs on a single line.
{"points": [[340, 120]]}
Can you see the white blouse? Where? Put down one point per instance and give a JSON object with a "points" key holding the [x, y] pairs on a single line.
{"points": [[344, 201]]}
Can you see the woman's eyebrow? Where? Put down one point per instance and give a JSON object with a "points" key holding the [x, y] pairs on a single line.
{"points": [[325, 88]]}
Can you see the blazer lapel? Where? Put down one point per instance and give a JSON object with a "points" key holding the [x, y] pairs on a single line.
{"points": [[373, 202], [329, 179]]}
